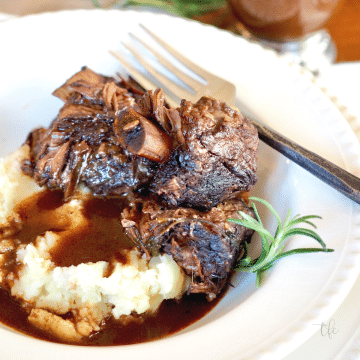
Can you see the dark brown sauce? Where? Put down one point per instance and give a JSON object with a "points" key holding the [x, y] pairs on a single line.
{"points": [[15, 317], [97, 238], [171, 317], [100, 238], [36, 215]]}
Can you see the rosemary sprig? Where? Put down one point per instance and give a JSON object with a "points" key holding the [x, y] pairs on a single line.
{"points": [[272, 246], [95, 3], [185, 8]]}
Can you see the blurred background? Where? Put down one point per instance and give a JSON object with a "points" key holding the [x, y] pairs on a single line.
{"points": [[344, 26]]}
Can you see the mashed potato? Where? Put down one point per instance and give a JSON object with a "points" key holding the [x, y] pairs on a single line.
{"points": [[14, 185], [138, 286], [90, 291]]}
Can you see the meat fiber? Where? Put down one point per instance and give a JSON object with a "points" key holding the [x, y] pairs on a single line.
{"points": [[99, 138], [183, 171], [216, 158], [204, 244]]}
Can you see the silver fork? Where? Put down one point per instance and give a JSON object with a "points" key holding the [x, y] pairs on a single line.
{"points": [[192, 89]]}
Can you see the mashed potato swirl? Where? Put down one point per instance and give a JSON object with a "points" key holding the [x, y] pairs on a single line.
{"points": [[90, 291]]}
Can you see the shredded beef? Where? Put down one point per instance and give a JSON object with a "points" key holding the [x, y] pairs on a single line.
{"points": [[204, 244], [88, 142], [184, 171], [218, 156]]}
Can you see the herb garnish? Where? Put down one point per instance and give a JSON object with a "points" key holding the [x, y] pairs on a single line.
{"points": [[272, 246], [184, 8]]}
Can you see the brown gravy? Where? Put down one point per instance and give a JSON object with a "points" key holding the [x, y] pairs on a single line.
{"points": [[170, 318], [100, 238], [97, 239]]}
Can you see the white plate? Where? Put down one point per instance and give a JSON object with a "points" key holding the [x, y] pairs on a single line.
{"points": [[39, 52], [341, 83]]}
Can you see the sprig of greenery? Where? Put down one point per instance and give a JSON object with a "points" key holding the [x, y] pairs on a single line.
{"points": [[273, 246], [185, 8]]}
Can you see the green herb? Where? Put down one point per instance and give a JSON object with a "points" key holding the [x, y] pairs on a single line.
{"points": [[95, 3], [185, 8], [272, 246]]}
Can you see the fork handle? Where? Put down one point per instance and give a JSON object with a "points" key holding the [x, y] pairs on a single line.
{"points": [[331, 174]]}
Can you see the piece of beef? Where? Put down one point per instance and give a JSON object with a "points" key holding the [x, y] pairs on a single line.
{"points": [[141, 136], [85, 149], [216, 156], [114, 171], [196, 161], [100, 138], [88, 88], [204, 244]]}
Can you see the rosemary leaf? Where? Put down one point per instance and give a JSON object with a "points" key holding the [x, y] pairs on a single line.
{"points": [[273, 246], [185, 8]]}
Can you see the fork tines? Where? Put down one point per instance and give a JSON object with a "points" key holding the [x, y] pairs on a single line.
{"points": [[179, 77]]}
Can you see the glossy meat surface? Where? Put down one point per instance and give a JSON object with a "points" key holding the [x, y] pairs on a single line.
{"points": [[218, 157], [84, 145], [204, 244], [183, 171]]}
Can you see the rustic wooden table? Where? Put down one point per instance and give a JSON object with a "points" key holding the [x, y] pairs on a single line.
{"points": [[344, 28]]}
